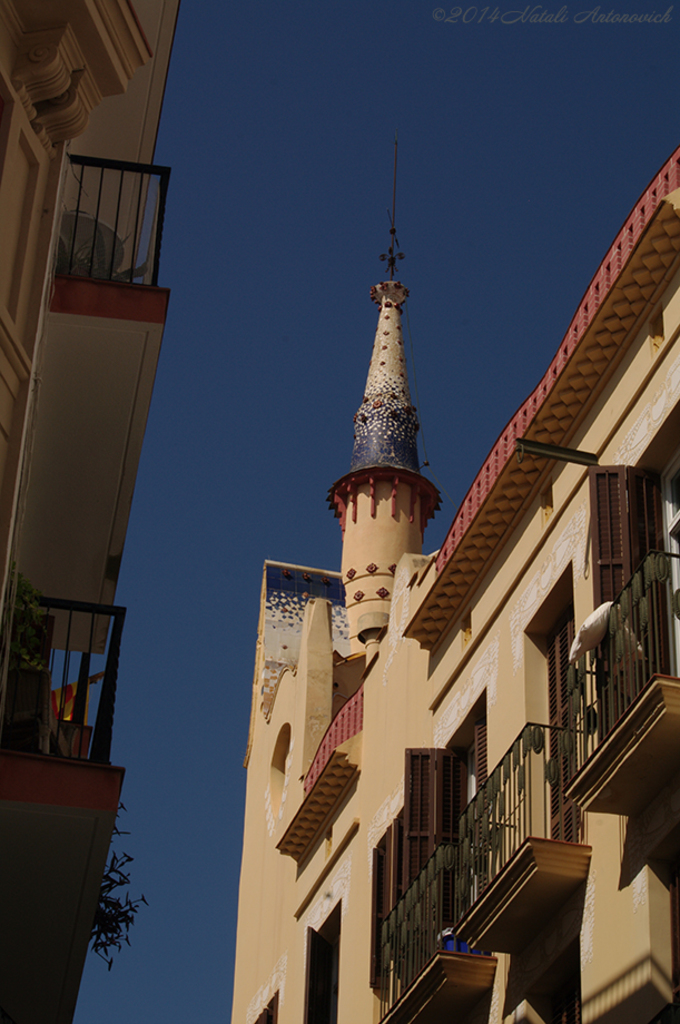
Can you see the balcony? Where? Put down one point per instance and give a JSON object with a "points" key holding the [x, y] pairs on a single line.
{"points": [[517, 860], [47, 709], [58, 802], [100, 353], [426, 974], [335, 766], [518, 855], [112, 223], [624, 705]]}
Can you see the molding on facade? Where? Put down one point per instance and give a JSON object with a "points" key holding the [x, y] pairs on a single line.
{"points": [[381, 821], [400, 609], [570, 546], [483, 676], [650, 419], [336, 891], [622, 293], [275, 982]]}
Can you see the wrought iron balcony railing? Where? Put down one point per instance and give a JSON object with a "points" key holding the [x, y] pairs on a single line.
{"points": [[48, 705], [417, 927], [523, 797], [601, 687], [112, 222]]}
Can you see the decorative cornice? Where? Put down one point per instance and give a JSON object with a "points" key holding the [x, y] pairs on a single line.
{"points": [[62, 73], [53, 86], [343, 493], [643, 255]]}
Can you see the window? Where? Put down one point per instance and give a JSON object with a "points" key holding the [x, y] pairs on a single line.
{"points": [[323, 965], [270, 1014], [564, 814], [672, 495], [387, 888]]}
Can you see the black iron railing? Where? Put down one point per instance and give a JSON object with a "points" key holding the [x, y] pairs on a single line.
{"points": [[670, 1014], [523, 797], [50, 705], [603, 684], [417, 926], [112, 222]]}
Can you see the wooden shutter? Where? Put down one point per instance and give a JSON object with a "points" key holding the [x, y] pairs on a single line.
{"points": [[273, 1010], [319, 979], [627, 522], [419, 802], [394, 867], [481, 760], [434, 789], [564, 816], [646, 514], [612, 565], [378, 911]]}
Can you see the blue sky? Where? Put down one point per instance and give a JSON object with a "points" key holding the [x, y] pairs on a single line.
{"points": [[522, 148]]}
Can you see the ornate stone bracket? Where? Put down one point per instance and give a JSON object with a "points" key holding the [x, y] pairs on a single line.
{"points": [[54, 86]]}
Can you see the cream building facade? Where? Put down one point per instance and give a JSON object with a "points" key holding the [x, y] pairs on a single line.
{"points": [[463, 795], [81, 323]]}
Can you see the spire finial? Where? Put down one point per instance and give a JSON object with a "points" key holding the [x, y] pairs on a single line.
{"points": [[390, 255]]}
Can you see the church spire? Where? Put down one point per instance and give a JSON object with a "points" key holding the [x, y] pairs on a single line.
{"points": [[385, 425], [383, 503]]}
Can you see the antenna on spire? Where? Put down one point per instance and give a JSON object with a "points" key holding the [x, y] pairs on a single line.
{"points": [[390, 255]]}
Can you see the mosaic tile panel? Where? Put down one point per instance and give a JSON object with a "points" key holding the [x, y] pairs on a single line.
{"points": [[288, 589]]}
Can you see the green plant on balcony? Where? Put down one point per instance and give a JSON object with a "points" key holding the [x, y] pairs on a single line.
{"points": [[28, 627]]}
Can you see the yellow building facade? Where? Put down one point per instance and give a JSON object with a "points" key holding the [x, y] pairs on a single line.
{"points": [[463, 795]]}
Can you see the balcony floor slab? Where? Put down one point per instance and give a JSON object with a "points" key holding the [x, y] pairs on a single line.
{"points": [[525, 895], [637, 758], [447, 988]]}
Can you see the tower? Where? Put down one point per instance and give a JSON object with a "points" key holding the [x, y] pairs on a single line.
{"points": [[383, 503]]}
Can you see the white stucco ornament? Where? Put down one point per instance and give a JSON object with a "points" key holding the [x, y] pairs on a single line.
{"points": [[399, 615]]}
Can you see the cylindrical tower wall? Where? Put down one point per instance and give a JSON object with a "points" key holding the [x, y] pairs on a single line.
{"points": [[382, 523]]}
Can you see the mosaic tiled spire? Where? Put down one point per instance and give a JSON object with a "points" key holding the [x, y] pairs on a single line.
{"points": [[385, 425]]}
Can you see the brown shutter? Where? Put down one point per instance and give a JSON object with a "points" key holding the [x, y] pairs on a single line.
{"points": [[646, 514], [612, 565], [564, 818], [434, 799], [419, 803], [394, 868], [319, 979], [378, 912], [273, 1010], [481, 759]]}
